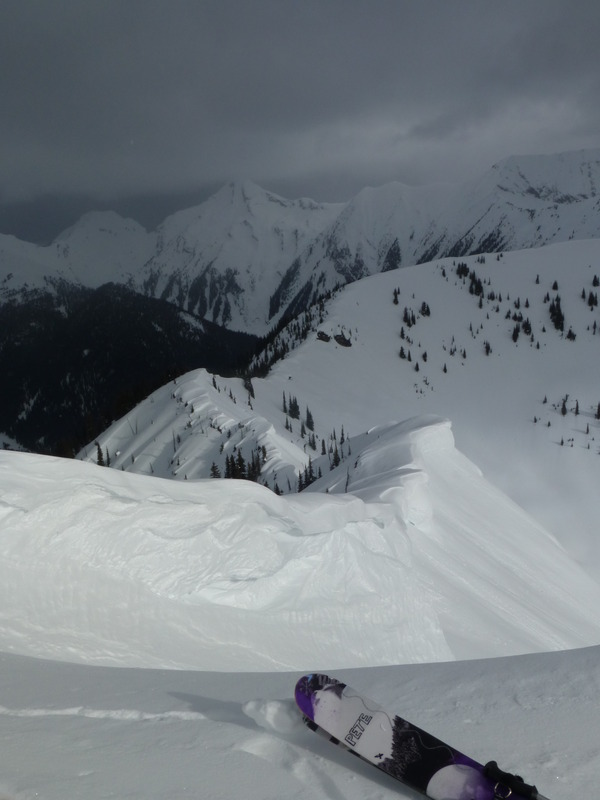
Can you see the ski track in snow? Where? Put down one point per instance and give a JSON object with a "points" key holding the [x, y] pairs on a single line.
{"points": [[122, 715]]}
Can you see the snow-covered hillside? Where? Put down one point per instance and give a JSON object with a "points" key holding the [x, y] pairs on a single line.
{"points": [[504, 397]]}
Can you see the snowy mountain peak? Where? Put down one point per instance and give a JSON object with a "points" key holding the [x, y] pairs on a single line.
{"points": [[563, 177], [108, 223], [225, 258]]}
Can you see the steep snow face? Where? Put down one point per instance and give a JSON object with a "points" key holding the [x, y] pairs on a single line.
{"points": [[411, 556], [225, 258], [526, 201]]}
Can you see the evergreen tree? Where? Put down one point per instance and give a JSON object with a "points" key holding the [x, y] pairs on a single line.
{"points": [[240, 466], [556, 314], [293, 408], [310, 423], [336, 457]]}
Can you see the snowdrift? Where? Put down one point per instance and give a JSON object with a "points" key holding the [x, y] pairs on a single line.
{"points": [[408, 556]]}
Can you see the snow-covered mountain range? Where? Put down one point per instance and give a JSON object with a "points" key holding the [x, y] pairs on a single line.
{"points": [[246, 260], [246, 257]]}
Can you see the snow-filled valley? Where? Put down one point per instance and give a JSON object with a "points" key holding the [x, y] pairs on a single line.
{"points": [[443, 556]]}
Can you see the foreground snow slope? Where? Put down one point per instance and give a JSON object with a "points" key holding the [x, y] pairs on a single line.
{"points": [[72, 731], [417, 559]]}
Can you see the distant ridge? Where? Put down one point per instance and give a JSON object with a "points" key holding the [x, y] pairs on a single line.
{"points": [[247, 257]]}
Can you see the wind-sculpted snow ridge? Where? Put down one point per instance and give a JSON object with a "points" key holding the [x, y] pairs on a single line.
{"points": [[407, 556], [193, 422]]}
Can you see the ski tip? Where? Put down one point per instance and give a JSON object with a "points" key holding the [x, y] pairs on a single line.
{"points": [[307, 688], [304, 695]]}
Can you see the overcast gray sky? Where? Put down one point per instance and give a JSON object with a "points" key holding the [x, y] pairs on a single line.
{"points": [[149, 105]]}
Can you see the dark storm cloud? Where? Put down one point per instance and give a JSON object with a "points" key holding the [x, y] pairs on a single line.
{"points": [[109, 99]]}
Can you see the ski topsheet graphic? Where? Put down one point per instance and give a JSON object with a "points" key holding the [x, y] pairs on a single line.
{"points": [[401, 749]]}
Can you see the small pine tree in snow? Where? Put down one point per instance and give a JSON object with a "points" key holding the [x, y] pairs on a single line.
{"points": [[310, 423], [294, 408]]}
